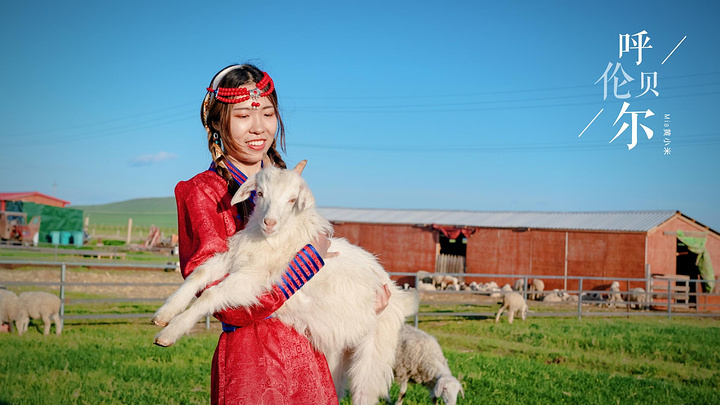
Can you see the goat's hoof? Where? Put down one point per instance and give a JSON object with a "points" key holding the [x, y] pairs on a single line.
{"points": [[159, 322], [163, 342]]}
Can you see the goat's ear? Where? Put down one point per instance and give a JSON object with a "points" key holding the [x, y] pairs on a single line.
{"points": [[305, 198], [244, 191], [300, 166]]}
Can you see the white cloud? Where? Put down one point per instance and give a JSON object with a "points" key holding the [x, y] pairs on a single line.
{"points": [[147, 160]]}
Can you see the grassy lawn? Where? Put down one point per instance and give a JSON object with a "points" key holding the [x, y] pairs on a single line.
{"points": [[539, 361]]}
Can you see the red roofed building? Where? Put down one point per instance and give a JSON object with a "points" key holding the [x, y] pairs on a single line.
{"points": [[32, 196]]}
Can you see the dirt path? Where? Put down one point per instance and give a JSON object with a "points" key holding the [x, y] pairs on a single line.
{"points": [[97, 276]]}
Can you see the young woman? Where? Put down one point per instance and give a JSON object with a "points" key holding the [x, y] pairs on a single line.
{"points": [[258, 359]]}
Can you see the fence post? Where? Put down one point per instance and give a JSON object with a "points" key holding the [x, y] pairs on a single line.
{"points": [[669, 299], [207, 322], [580, 288], [62, 294], [417, 288]]}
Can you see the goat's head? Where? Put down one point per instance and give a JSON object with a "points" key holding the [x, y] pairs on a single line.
{"points": [[280, 196]]}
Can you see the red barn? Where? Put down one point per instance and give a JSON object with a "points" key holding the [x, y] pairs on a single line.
{"points": [[627, 244]]}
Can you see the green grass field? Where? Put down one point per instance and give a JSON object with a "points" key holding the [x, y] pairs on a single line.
{"points": [[539, 361]]}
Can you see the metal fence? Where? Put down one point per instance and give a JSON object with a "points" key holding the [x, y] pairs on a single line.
{"points": [[668, 300]]}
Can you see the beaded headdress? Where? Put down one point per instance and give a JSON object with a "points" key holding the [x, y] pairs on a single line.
{"points": [[241, 94]]}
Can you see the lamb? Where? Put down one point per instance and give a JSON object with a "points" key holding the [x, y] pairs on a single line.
{"points": [[614, 298], [514, 303], [335, 309], [519, 285], [420, 359], [36, 305], [8, 307], [638, 296], [535, 288], [554, 296]]}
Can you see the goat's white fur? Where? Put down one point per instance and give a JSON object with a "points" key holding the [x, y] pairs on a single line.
{"points": [[335, 309]]}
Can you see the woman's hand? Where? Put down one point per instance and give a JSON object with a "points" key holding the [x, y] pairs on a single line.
{"points": [[382, 299], [322, 245]]}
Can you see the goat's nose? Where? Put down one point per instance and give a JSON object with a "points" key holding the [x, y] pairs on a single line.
{"points": [[270, 222]]}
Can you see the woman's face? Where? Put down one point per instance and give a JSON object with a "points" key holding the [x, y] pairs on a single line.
{"points": [[253, 131]]}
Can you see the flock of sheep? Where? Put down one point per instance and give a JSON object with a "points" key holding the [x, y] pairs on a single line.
{"points": [[31, 304], [613, 297]]}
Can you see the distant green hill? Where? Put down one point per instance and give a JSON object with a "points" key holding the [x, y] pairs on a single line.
{"points": [[161, 212]]}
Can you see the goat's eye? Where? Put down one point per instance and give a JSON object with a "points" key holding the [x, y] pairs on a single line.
{"points": [[259, 193], [292, 200]]}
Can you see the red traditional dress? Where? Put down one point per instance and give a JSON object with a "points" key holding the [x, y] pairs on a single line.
{"points": [[258, 360]]}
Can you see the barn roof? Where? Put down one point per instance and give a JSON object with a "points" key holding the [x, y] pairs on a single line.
{"points": [[20, 196], [623, 221]]}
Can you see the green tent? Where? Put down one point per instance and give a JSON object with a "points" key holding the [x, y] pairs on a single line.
{"points": [[54, 218], [697, 245]]}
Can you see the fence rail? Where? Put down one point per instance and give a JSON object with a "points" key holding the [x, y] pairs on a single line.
{"points": [[658, 300]]}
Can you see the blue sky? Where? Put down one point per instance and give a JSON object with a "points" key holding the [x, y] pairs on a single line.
{"points": [[407, 104]]}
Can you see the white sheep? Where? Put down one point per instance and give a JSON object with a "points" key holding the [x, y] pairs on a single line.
{"points": [[554, 296], [519, 285], [637, 298], [614, 298], [424, 276], [8, 307], [536, 287], [335, 309], [420, 359], [506, 288], [426, 287], [514, 303], [38, 305]]}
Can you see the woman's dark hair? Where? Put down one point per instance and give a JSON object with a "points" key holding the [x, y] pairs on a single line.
{"points": [[215, 116]]}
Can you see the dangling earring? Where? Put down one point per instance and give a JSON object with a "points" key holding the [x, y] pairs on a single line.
{"points": [[216, 138]]}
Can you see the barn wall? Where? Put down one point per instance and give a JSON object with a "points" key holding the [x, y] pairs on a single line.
{"points": [[542, 252], [609, 255], [400, 248], [662, 248]]}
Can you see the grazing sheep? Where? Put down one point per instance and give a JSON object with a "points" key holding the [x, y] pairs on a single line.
{"points": [[38, 305], [637, 298], [514, 303], [8, 307], [536, 287], [420, 359], [519, 285], [335, 309]]}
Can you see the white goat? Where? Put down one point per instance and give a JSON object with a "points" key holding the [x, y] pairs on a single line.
{"points": [[38, 305], [420, 359], [335, 309], [514, 303]]}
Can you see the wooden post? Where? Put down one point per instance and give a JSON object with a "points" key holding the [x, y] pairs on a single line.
{"points": [[129, 230]]}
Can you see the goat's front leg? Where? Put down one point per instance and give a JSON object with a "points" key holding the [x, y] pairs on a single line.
{"points": [[234, 291], [213, 269], [182, 323]]}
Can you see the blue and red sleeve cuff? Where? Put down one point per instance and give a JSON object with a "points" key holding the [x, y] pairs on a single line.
{"points": [[300, 270]]}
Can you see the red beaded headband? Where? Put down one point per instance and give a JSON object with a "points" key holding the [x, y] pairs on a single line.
{"points": [[243, 94]]}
